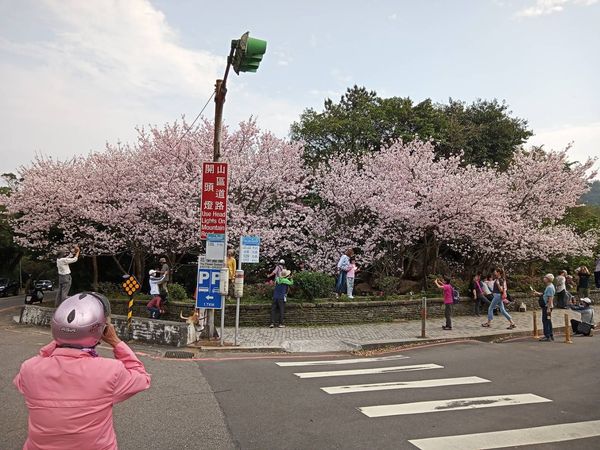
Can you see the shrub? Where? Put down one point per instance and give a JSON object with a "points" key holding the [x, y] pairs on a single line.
{"points": [[312, 285], [177, 292], [258, 292], [389, 285], [109, 289]]}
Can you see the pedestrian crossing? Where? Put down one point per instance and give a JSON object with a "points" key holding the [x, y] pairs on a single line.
{"points": [[488, 440]]}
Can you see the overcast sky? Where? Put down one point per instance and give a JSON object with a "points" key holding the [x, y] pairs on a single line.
{"points": [[77, 74]]}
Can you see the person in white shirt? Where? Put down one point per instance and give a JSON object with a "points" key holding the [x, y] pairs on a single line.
{"points": [[155, 282], [64, 273]]}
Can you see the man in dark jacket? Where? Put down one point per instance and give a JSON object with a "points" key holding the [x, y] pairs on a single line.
{"points": [[282, 284]]}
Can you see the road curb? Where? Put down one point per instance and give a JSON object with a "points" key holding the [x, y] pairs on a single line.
{"points": [[481, 338], [244, 349]]}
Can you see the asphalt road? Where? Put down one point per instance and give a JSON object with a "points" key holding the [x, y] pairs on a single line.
{"points": [[268, 407], [179, 411], [250, 402]]}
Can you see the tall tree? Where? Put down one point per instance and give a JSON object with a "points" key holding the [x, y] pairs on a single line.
{"points": [[484, 132]]}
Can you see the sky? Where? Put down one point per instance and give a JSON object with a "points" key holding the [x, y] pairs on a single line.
{"points": [[76, 74]]}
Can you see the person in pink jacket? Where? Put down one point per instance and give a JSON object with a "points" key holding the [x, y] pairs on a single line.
{"points": [[70, 390]]}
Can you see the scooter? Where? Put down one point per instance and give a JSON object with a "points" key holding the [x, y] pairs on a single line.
{"points": [[34, 295]]}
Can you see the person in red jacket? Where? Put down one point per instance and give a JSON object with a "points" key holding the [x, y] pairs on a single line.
{"points": [[70, 390]]}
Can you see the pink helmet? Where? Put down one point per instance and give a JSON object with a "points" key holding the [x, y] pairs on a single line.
{"points": [[80, 320]]}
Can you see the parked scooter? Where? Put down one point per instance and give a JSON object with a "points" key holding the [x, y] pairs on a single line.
{"points": [[33, 294]]}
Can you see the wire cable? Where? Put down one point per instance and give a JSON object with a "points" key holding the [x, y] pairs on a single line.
{"points": [[195, 120]]}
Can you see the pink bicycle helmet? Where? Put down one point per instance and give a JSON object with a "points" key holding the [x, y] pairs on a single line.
{"points": [[80, 320]]}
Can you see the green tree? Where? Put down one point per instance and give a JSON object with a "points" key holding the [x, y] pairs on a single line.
{"points": [[10, 253], [364, 122]]}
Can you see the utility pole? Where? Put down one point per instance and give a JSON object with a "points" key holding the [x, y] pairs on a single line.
{"points": [[245, 55]]}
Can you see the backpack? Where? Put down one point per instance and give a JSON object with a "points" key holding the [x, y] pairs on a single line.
{"points": [[455, 295]]}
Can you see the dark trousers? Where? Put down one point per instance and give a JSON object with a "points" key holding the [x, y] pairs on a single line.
{"points": [[448, 314], [154, 313], [547, 323], [277, 304], [575, 327], [597, 279], [481, 300], [561, 299]]}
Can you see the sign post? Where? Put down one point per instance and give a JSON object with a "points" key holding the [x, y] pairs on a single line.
{"points": [[249, 254], [130, 286], [213, 226]]}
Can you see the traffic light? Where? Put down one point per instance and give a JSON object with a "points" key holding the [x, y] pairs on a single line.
{"points": [[248, 53]]}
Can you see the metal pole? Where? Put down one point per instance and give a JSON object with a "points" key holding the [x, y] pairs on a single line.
{"points": [[129, 316], [220, 93], [535, 328], [224, 300], [237, 300], [423, 317], [567, 330]]}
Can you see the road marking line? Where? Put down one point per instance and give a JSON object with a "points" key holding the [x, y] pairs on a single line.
{"points": [[455, 404], [403, 385], [340, 361], [512, 438], [394, 369]]}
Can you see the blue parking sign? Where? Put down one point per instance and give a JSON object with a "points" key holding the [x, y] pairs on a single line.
{"points": [[207, 290]]}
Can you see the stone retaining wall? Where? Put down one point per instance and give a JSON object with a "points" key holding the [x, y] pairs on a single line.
{"points": [[331, 313], [151, 331]]}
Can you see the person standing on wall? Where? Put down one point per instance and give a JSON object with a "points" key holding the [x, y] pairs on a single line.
{"points": [[350, 276], [64, 273], [282, 286], [165, 273], [276, 272], [231, 267], [342, 268], [583, 282], [597, 273]]}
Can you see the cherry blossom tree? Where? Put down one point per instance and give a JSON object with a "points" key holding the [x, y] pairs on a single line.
{"points": [[404, 207]]}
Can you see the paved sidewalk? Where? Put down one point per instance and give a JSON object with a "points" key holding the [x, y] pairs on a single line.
{"points": [[355, 337]]}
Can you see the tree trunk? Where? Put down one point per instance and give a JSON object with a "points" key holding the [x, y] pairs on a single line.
{"points": [[94, 273], [119, 265]]}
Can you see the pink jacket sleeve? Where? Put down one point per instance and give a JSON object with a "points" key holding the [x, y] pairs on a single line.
{"points": [[131, 376]]}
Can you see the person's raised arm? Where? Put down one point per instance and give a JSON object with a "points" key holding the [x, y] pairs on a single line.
{"points": [[132, 376]]}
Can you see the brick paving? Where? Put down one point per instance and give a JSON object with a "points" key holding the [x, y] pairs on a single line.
{"points": [[349, 337]]}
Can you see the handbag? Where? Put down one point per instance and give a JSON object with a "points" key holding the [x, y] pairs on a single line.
{"points": [[542, 301]]}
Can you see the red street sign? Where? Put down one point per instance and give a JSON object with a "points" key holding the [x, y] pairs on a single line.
{"points": [[214, 199]]}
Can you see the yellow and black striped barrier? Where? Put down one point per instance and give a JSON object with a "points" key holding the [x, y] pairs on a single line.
{"points": [[130, 286]]}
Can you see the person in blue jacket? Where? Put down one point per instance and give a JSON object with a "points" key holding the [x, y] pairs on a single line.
{"points": [[282, 285]]}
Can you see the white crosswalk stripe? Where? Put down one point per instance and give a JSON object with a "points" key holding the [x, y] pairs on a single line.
{"points": [[456, 404], [376, 370], [403, 385], [335, 362], [512, 438]]}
